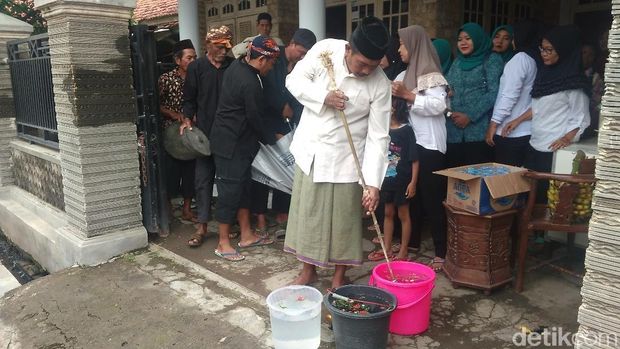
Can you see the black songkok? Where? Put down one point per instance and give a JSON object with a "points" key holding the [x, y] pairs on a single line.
{"points": [[182, 45], [371, 38]]}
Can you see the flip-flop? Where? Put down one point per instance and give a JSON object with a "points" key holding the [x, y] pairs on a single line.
{"points": [[262, 241], [377, 255], [230, 256]]}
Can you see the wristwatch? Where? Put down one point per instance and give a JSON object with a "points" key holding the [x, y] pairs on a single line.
{"points": [[448, 113]]}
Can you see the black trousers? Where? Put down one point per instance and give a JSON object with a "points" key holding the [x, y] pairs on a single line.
{"points": [[234, 186], [468, 153], [205, 174], [180, 177], [511, 151], [260, 196], [428, 200], [280, 201], [540, 161]]}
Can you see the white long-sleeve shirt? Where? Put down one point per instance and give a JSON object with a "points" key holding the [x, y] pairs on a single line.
{"points": [[555, 115], [513, 97], [320, 140], [427, 119]]}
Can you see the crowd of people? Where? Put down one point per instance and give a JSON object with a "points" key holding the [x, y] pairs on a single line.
{"points": [[411, 108]]}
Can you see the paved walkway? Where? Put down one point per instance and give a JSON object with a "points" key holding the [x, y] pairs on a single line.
{"points": [[157, 299]]}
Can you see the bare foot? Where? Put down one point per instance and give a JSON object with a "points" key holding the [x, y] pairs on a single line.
{"points": [[305, 279], [225, 248], [337, 282]]}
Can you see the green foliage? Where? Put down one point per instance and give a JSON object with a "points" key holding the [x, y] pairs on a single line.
{"points": [[24, 11]]}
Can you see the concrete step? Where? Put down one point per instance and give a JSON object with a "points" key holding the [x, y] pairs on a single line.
{"points": [[7, 281]]}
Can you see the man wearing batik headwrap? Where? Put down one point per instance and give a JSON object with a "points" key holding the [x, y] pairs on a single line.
{"points": [[200, 97], [325, 220], [282, 112], [238, 127], [170, 106]]}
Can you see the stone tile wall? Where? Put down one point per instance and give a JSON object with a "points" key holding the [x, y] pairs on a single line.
{"points": [[39, 177]]}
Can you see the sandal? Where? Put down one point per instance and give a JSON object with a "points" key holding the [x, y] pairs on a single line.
{"points": [[196, 240], [262, 233], [189, 218], [377, 255], [262, 241], [437, 264], [230, 256], [280, 235]]}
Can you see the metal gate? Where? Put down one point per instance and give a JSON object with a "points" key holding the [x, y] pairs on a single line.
{"points": [[155, 212]]}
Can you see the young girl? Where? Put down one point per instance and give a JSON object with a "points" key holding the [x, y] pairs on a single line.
{"points": [[400, 180]]}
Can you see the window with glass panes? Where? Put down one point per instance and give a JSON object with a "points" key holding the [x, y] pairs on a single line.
{"points": [[500, 12], [228, 9], [212, 12], [395, 14], [244, 5], [360, 11], [261, 3]]}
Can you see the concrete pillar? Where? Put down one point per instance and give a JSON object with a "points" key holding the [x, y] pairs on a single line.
{"points": [[10, 29], [96, 114], [189, 27], [312, 16]]}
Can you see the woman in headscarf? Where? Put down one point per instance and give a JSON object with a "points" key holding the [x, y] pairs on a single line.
{"points": [[502, 41], [514, 98], [560, 105], [391, 63], [474, 81], [444, 51], [425, 89]]}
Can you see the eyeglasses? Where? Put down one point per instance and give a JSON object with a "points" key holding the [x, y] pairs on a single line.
{"points": [[546, 51]]}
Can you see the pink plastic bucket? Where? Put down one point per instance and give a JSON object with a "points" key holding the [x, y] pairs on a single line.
{"points": [[413, 312]]}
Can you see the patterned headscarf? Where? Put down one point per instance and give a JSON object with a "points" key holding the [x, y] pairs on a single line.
{"points": [[220, 36], [265, 46]]}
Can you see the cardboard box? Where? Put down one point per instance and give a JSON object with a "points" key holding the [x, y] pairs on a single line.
{"points": [[482, 193]]}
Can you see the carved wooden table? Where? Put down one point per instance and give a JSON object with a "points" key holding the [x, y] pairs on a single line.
{"points": [[478, 254]]}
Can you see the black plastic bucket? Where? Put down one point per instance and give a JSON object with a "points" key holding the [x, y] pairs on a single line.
{"points": [[355, 331]]}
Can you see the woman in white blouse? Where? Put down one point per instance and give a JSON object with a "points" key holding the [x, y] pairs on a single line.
{"points": [[511, 142], [424, 88], [560, 104]]}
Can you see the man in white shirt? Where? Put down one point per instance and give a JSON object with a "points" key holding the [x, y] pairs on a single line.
{"points": [[263, 27], [325, 222]]}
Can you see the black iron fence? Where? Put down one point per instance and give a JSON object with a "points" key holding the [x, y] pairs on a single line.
{"points": [[33, 91]]}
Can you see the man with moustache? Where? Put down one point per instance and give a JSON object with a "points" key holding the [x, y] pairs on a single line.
{"points": [[200, 99], [325, 221]]}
